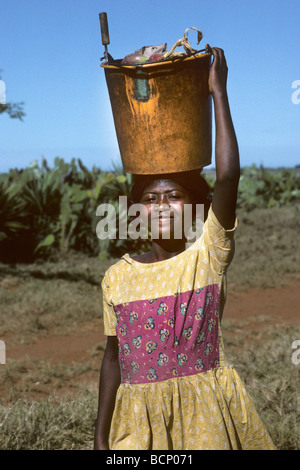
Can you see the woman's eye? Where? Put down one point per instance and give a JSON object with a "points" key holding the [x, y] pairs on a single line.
{"points": [[149, 200]]}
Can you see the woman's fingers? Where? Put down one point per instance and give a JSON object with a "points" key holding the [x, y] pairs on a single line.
{"points": [[222, 57], [216, 57], [219, 71]]}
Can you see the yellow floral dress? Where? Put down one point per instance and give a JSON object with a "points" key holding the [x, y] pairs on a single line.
{"points": [[177, 391]]}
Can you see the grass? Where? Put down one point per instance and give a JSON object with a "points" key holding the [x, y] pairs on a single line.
{"points": [[41, 306], [51, 297], [267, 248], [53, 406], [264, 361], [272, 380], [29, 376], [49, 424]]}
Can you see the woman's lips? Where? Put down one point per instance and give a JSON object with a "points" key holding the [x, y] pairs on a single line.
{"points": [[164, 217]]}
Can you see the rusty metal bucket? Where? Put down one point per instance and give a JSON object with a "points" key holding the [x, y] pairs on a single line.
{"points": [[163, 114]]}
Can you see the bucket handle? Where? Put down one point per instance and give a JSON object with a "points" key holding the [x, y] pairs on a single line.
{"points": [[184, 42]]}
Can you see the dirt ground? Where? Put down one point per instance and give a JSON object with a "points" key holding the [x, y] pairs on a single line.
{"points": [[273, 306]]}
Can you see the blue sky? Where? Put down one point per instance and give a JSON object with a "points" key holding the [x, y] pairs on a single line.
{"points": [[50, 55]]}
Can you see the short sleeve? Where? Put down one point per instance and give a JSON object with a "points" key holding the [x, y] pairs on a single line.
{"points": [[219, 242], [109, 315]]}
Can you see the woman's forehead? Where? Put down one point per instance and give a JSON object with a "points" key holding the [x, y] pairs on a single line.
{"points": [[162, 185]]}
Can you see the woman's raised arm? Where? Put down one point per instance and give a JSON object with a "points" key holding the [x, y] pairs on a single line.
{"points": [[226, 146]]}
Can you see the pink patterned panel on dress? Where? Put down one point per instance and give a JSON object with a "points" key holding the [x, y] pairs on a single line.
{"points": [[172, 336]]}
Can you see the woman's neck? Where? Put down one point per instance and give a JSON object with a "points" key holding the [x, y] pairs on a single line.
{"points": [[161, 250]]}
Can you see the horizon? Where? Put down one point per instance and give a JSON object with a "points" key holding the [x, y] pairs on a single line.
{"points": [[117, 166]]}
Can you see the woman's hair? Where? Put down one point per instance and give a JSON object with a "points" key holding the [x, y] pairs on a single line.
{"points": [[192, 181]]}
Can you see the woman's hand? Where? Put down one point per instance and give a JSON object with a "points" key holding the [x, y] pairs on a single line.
{"points": [[217, 81]]}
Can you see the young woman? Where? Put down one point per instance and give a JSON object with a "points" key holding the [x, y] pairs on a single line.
{"points": [[165, 382]]}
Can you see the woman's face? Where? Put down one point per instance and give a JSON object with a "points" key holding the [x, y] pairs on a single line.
{"points": [[165, 203]]}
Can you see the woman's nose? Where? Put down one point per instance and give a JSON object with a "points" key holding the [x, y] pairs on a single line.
{"points": [[163, 201]]}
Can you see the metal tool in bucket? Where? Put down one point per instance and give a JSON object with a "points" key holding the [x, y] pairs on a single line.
{"points": [[162, 112]]}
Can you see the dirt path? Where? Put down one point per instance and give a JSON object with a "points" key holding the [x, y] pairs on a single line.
{"points": [[278, 305], [63, 347]]}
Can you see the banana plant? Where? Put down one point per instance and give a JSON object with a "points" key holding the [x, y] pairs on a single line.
{"points": [[12, 209], [70, 211]]}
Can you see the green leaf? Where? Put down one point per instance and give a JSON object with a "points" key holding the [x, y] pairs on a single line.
{"points": [[121, 179], [49, 240]]}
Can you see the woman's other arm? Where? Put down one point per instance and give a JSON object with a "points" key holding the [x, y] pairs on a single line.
{"points": [[110, 379]]}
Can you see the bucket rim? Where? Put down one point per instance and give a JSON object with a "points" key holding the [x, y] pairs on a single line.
{"points": [[152, 65]]}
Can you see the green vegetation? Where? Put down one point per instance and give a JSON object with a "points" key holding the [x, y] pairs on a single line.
{"points": [[45, 211], [261, 188], [14, 110]]}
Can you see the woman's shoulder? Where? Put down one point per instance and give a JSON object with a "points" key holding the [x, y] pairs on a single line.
{"points": [[116, 267]]}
